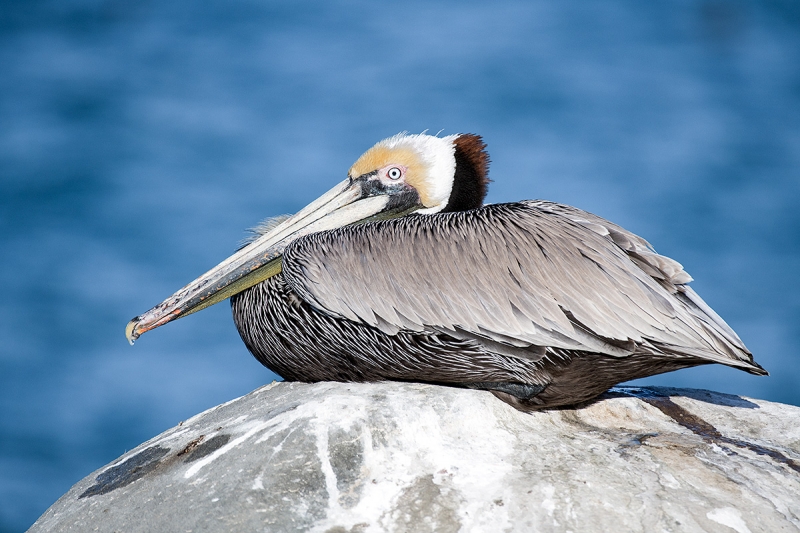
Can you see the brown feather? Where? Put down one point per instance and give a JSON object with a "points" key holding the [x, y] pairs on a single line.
{"points": [[471, 179]]}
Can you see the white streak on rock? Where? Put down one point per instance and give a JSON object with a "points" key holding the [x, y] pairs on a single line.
{"points": [[728, 516], [258, 427]]}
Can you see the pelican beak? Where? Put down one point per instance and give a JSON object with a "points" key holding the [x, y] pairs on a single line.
{"points": [[350, 202]]}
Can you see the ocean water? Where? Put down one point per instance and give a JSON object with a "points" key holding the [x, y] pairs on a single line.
{"points": [[138, 140]]}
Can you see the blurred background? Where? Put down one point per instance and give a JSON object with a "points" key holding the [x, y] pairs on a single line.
{"points": [[138, 140]]}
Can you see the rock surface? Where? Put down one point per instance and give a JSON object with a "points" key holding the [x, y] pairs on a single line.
{"points": [[337, 458]]}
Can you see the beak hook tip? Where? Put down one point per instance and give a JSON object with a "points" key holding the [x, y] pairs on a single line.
{"points": [[130, 330]]}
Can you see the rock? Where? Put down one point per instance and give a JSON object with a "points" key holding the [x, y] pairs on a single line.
{"points": [[337, 458]]}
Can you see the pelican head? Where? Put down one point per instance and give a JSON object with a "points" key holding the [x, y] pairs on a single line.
{"points": [[399, 176]]}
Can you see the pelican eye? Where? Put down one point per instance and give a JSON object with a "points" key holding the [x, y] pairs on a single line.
{"points": [[394, 173]]}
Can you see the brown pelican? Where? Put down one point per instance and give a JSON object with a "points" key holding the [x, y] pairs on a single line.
{"points": [[401, 273]]}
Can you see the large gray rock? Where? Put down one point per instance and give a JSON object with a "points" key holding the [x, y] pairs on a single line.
{"points": [[335, 457]]}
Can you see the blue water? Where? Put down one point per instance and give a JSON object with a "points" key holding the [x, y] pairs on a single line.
{"points": [[139, 139]]}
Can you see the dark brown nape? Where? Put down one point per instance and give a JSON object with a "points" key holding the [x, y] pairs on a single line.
{"points": [[471, 178]]}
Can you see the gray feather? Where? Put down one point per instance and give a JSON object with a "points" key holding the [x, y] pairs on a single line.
{"points": [[522, 276]]}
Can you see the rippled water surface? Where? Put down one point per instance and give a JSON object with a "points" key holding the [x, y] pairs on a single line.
{"points": [[139, 139]]}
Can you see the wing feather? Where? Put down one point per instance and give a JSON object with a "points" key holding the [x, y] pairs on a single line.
{"points": [[525, 275]]}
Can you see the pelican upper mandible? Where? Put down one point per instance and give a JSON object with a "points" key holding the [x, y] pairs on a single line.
{"points": [[401, 273]]}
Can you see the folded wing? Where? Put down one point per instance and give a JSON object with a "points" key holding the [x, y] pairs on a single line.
{"points": [[519, 276]]}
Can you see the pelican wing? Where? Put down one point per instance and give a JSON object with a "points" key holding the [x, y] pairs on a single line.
{"points": [[521, 276]]}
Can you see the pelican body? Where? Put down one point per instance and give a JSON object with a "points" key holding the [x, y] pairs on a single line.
{"points": [[401, 273]]}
